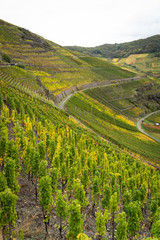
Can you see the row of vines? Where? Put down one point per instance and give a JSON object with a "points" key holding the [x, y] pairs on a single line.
{"points": [[91, 190]]}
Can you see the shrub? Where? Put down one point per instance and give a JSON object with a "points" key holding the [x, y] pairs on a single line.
{"points": [[6, 58]]}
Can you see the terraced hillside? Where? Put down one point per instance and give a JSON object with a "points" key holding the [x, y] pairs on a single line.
{"points": [[144, 63], [113, 111], [151, 125], [46, 64], [140, 56], [59, 180], [55, 175]]}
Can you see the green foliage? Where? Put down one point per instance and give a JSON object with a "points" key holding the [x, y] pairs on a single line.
{"points": [[53, 176], [7, 209], [41, 148], [101, 221], [153, 206], [61, 205], [45, 198], [114, 203], [134, 217], [43, 169], [75, 220], [9, 171], [6, 58], [156, 229], [80, 194], [35, 164], [3, 146], [122, 226], [148, 45], [106, 196], [3, 182], [1, 102]]}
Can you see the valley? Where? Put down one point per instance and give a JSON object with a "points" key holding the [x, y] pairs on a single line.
{"points": [[90, 176]]}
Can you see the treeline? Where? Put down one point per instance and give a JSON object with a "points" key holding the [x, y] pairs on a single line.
{"points": [[75, 177], [148, 45]]}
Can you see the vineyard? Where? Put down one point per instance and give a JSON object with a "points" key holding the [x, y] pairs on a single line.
{"points": [[113, 110], [61, 181], [58, 179], [152, 125], [48, 64]]}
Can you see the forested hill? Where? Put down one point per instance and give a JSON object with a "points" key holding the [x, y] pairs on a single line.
{"points": [[148, 45]]}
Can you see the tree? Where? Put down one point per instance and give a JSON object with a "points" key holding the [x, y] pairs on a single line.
{"points": [[122, 226], [75, 220], [61, 209], [8, 213], [46, 199]]}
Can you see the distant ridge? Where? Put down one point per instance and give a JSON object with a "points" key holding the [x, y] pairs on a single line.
{"points": [[147, 45]]}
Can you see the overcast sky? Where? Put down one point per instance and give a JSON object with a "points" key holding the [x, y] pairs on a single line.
{"points": [[85, 22]]}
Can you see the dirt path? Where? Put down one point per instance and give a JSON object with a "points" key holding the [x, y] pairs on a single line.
{"points": [[83, 88], [139, 123]]}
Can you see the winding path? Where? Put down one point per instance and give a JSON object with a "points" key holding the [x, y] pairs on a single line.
{"points": [[139, 123], [84, 87], [62, 104]]}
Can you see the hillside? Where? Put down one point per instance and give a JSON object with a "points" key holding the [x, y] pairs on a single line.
{"points": [[121, 50], [53, 170], [140, 56], [43, 66], [58, 179], [113, 111]]}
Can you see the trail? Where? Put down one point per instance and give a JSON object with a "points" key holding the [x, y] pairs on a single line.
{"points": [[139, 123], [114, 81]]}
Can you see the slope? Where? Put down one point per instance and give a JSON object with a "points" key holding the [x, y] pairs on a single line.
{"points": [[58, 179], [121, 50], [42, 65], [56, 168]]}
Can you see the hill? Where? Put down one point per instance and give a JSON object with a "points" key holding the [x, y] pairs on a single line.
{"points": [[148, 45], [140, 56], [53, 169], [59, 180], [46, 67]]}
